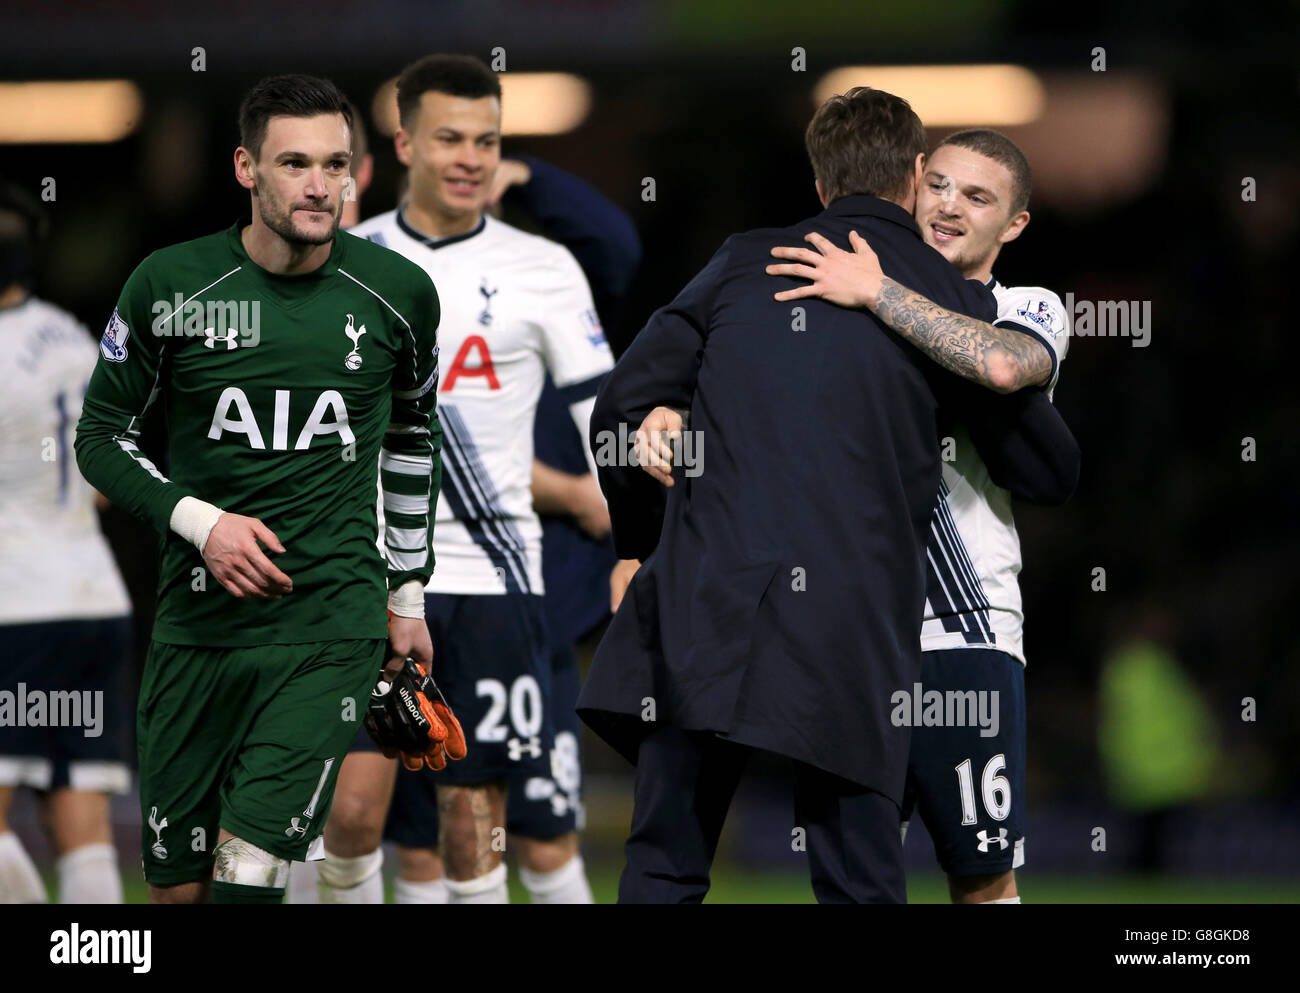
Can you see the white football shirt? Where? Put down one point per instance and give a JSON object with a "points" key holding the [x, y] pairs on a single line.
{"points": [[54, 562], [972, 595], [514, 306]]}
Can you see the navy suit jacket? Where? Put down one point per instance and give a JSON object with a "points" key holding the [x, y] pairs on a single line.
{"points": [[779, 603]]}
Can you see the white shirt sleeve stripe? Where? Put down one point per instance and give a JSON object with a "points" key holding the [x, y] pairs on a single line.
{"points": [[405, 539], [406, 465], [401, 503], [400, 561]]}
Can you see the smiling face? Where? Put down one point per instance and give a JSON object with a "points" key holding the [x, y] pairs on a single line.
{"points": [[452, 150], [963, 208], [297, 178]]}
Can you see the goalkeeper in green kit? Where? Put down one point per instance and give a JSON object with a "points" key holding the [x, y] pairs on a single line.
{"points": [[292, 361]]}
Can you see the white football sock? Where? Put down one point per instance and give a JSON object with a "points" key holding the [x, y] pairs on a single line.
{"points": [[303, 883], [489, 888], [567, 884], [432, 891], [19, 880], [352, 880], [89, 875], [1005, 899]]}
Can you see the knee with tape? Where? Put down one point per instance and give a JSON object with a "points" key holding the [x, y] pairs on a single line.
{"points": [[242, 863]]}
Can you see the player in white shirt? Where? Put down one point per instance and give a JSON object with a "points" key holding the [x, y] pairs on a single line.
{"points": [[65, 619], [973, 600], [515, 306], [518, 306], [968, 781]]}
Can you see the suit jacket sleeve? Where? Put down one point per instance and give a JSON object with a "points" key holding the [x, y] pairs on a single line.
{"points": [[659, 369], [1023, 440]]}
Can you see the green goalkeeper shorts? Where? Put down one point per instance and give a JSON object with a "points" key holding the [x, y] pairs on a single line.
{"points": [[246, 739]]}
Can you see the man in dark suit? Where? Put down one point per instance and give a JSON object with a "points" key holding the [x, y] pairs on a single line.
{"points": [[783, 584]]}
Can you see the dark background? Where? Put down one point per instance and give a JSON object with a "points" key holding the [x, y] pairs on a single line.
{"points": [[1198, 544]]}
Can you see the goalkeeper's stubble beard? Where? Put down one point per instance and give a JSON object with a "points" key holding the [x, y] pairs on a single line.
{"points": [[278, 216]]}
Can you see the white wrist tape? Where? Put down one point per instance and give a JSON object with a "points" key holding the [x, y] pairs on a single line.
{"points": [[407, 600], [193, 520]]}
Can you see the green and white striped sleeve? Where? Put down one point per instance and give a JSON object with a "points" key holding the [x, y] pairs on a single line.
{"points": [[410, 462]]}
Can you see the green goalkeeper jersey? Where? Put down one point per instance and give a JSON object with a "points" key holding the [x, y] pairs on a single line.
{"points": [[283, 396]]}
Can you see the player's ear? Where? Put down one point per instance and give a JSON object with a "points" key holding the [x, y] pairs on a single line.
{"points": [[364, 173], [919, 170], [821, 193], [245, 173], [402, 146], [1017, 224]]}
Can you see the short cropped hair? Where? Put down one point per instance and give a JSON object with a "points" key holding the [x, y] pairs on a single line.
{"points": [[998, 147]]}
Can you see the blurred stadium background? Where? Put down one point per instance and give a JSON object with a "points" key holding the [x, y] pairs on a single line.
{"points": [[1135, 691]]}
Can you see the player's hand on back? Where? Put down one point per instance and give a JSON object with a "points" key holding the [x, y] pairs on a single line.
{"points": [[654, 438], [849, 279], [235, 557]]}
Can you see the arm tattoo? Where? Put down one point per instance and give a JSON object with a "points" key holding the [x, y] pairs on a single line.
{"points": [[961, 344]]}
